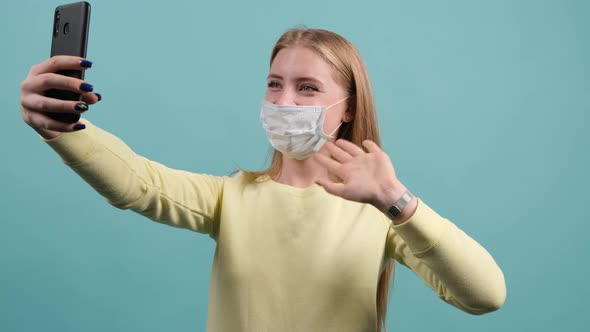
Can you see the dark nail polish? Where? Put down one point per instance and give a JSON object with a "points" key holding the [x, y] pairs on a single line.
{"points": [[79, 126], [86, 87], [86, 63], [81, 107], [99, 96]]}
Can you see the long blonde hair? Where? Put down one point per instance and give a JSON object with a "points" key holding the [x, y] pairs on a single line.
{"points": [[350, 71]]}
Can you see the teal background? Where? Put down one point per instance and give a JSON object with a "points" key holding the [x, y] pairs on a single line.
{"points": [[483, 107]]}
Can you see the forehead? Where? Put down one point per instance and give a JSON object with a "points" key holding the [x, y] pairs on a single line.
{"points": [[301, 62]]}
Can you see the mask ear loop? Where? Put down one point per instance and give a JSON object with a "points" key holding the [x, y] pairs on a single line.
{"points": [[336, 103], [324, 139], [335, 130]]}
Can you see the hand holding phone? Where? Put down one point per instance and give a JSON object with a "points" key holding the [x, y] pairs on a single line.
{"points": [[54, 93], [69, 37]]}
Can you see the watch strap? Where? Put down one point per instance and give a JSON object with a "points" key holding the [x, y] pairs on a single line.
{"points": [[398, 206]]}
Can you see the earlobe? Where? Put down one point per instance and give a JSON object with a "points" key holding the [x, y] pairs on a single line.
{"points": [[347, 117]]}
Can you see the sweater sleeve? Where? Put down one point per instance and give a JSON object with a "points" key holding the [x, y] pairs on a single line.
{"points": [[129, 181], [456, 267]]}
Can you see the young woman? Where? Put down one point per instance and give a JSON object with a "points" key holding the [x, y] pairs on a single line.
{"points": [[309, 243]]}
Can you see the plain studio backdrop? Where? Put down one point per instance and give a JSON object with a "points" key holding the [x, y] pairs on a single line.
{"points": [[483, 107]]}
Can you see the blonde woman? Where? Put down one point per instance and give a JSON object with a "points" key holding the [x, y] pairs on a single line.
{"points": [[309, 243]]}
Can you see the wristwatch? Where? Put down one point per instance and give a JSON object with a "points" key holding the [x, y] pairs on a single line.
{"points": [[397, 207]]}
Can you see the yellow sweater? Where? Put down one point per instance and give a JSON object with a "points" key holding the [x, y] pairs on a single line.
{"points": [[286, 258]]}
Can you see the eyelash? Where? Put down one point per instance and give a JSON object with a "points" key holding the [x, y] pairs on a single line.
{"points": [[276, 85], [313, 88], [272, 84]]}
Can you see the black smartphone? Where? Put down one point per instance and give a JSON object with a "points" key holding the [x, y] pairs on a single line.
{"points": [[69, 37]]}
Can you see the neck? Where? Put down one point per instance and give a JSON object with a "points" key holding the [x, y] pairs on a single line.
{"points": [[300, 173]]}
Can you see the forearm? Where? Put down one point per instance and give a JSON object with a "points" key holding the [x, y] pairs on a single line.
{"points": [[130, 181], [454, 265], [111, 168]]}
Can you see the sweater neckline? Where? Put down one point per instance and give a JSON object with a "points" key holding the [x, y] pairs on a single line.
{"points": [[307, 191]]}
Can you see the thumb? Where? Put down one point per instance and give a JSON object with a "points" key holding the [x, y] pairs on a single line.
{"points": [[331, 187]]}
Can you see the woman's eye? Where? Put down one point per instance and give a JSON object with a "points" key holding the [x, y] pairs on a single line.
{"points": [[273, 85], [308, 88]]}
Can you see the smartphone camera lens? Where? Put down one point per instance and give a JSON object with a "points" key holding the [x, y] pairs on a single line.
{"points": [[56, 24]]}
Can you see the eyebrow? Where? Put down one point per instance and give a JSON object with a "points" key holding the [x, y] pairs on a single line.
{"points": [[298, 79]]}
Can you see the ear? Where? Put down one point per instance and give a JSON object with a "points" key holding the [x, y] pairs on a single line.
{"points": [[347, 116]]}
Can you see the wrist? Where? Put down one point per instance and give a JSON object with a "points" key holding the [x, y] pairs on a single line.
{"points": [[388, 194], [47, 134], [394, 195]]}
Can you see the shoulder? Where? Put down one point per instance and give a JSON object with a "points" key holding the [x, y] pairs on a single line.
{"points": [[245, 179]]}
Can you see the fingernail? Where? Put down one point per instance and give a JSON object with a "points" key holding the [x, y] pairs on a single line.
{"points": [[99, 96], [86, 63], [86, 87], [81, 107], [79, 126]]}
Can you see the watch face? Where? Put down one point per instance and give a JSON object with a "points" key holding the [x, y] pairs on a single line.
{"points": [[394, 211]]}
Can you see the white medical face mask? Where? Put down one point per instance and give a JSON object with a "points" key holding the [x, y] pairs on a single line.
{"points": [[295, 130]]}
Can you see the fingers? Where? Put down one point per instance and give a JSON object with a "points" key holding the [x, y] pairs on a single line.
{"points": [[349, 147], [344, 151], [331, 187], [91, 97], [60, 62], [371, 146], [39, 120], [38, 103], [337, 153], [39, 95], [43, 82], [332, 165]]}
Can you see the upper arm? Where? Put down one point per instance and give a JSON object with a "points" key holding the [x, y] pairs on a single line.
{"points": [[178, 198]]}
